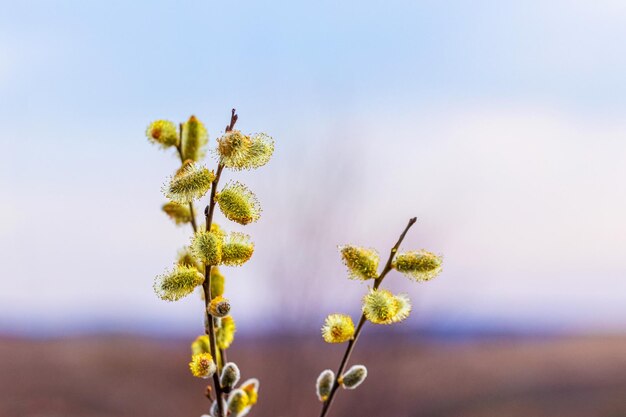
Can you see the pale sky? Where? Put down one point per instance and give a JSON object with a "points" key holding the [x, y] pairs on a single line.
{"points": [[500, 126]]}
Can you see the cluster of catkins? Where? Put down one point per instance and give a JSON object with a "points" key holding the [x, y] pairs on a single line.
{"points": [[379, 306], [211, 246]]}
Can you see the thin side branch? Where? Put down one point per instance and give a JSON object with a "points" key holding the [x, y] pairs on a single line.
{"points": [[362, 320]]}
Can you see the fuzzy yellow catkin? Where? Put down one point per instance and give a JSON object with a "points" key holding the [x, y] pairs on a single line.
{"points": [[251, 388], [207, 246], [177, 283], [217, 282], [179, 213], [202, 365], [418, 265], [232, 148], [237, 403], [163, 133], [219, 307], [230, 375], [186, 258], [237, 249], [238, 151], [324, 384], [194, 139], [380, 306], [404, 308], [238, 203], [259, 152], [201, 345], [362, 263], [190, 182], [225, 332], [338, 328], [353, 377]]}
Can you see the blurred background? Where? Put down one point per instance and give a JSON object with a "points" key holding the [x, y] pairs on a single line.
{"points": [[500, 125]]}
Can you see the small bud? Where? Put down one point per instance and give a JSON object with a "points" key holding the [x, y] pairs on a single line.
{"points": [[201, 345], [380, 306], [362, 263], [418, 265], [217, 281], [354, 377], [202, 365], [189, 183], [195, 137], [325, 384], [162, 132], [238, 203], [219, 307], [338, 328], [225, 333], [237, 249], [207, 246], [214, 410], [179, 213], [237, 404], [251, 388], [177, 284], [230, 375]]}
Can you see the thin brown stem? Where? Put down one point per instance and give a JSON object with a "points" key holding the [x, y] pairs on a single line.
{"points": [[362, 320], [206, 285]]}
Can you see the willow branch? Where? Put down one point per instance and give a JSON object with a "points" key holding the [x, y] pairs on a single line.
{"points": [[362, 320], [206, 285]]}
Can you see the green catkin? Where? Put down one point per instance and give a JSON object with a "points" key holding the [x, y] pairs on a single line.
{"points": [[230, 375], [418, 265], [239, 204], [353, 377], [324, 384], [237, 249], [178, 283], [195, 138], [362, 263], [207, 246], [189, 183], [163, 133]]}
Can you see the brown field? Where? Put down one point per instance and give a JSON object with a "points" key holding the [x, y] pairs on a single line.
{"points": [[122, 376]]}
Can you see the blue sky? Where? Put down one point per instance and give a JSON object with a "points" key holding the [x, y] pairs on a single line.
{"points": [[499, 124]]}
